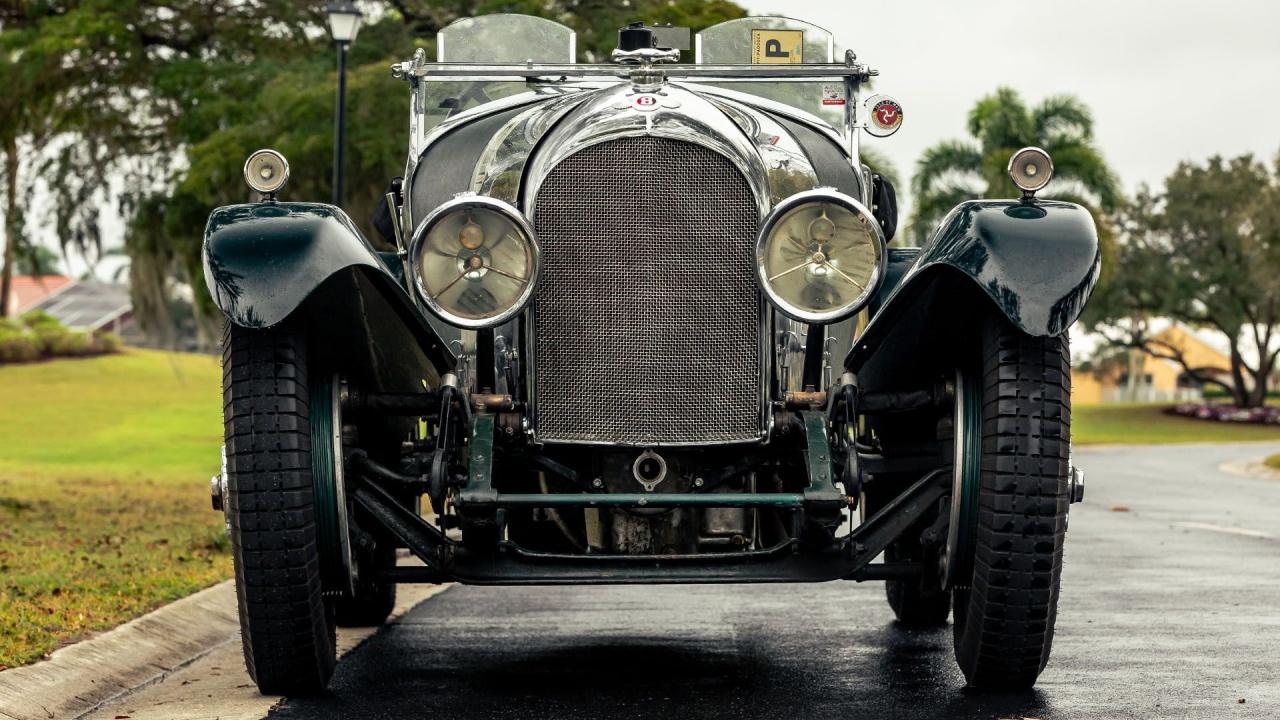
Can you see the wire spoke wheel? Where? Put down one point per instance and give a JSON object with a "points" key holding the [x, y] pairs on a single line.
{"points": [[333, 535], [966, 483]]}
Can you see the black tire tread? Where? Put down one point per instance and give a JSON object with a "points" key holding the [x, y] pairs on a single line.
{"points": [[1004, 621], [287, 635]]}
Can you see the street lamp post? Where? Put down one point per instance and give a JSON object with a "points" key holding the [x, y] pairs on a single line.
{"points": [[344, 23]]}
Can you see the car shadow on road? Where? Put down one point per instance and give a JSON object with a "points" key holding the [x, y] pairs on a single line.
{"points": [[885, 671]]}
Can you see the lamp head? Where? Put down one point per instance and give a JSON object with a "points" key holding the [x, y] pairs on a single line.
{"points": [[344, 21]]}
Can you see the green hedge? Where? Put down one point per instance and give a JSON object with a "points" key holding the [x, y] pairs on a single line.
{"points": [[18, 347], [1215, 392], [39, 335]]}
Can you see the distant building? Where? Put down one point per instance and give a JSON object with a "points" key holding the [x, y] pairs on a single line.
{"points": [[1144, 378], [86, 305], [91, 306], [28, 290]]}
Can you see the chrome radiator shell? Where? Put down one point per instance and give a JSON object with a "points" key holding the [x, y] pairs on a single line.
{"points": [[647, 326]]}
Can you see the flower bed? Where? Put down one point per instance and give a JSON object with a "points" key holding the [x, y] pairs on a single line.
{"points": [[1269, 415]]}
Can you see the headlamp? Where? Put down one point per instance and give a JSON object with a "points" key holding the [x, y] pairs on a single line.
{"points": [[266, 171], [475, 261], [820, 256], [1031, 169]]}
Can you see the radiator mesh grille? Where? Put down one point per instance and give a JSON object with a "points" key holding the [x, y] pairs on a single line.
{"points": [[647, 314]]}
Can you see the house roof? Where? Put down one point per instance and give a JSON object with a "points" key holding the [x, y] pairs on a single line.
{"points": [[1200, 347], [88, 304], [27, 290]]}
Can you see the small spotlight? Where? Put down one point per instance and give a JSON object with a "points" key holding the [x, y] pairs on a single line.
{"points": [[266, 171], [1030, 168]]}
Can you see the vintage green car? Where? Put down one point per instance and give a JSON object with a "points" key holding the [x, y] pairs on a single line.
{"points": [[639, 322]]}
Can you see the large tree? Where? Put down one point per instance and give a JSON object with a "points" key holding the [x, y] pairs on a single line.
{"points": [[1204, 251], [98, 91], [28, 117], [173, 94], [999, 124]]}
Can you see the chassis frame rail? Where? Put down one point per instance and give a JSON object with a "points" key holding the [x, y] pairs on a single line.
{"points": [[848, 557]]}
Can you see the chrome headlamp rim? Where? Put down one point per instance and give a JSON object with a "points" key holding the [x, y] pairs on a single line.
{"points": [[509, 212], [284, 176], [1013, 160], [780, 210]]}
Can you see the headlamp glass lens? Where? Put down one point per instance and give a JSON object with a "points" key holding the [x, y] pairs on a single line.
{"points": [[475, 263], [821, 259], [1031, 169], [266, 171]]}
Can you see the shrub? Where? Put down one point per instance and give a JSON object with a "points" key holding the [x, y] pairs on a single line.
{"points": [[106, 342], [18, 347], [39, 334], [1217, 393], [40, 319], [70, 344], [46, 329], [48, 335]]}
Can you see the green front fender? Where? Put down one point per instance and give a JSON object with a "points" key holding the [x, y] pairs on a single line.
{"points": [[264, 262], [1036, 261]]}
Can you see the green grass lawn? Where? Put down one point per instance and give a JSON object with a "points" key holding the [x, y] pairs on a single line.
{"points": [[104, 501], [1140, 424]]}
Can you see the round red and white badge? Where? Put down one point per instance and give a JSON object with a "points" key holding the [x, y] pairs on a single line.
{"points": [[645, 103], [885, 115]]}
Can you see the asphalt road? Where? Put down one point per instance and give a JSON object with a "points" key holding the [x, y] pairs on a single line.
{"points": [[1170, 609]]}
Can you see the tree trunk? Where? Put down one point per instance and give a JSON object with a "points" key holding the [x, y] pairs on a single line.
{"points": [[151, 298], [1239, 390], [1131, 381], [1258, 395], [207, 328], [10, 223], [1261, 380]]}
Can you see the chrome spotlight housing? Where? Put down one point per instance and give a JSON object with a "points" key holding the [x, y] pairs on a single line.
{"points": [[266, 171], [475, 261], [1030, 169], [820, 256]]}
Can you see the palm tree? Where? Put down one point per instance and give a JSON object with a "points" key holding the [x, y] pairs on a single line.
{"points": [[956, 170], [879, 164]]}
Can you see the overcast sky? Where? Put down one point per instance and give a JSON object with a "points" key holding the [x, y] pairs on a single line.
{"points": [[1167, 80]]}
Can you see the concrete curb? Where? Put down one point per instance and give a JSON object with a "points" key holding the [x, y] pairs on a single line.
{"points": [[1250, 468], [1172, 445], [216, 686], [79, 678]]}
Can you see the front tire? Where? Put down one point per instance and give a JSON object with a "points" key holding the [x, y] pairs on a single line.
{"points": [[286, 629], [1006, 607]]}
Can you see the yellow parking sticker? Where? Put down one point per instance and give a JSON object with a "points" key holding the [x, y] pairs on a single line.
{"points": [[777, 47]]}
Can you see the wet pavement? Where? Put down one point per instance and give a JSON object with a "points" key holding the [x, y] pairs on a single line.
{"points": [[1170, 608]]}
